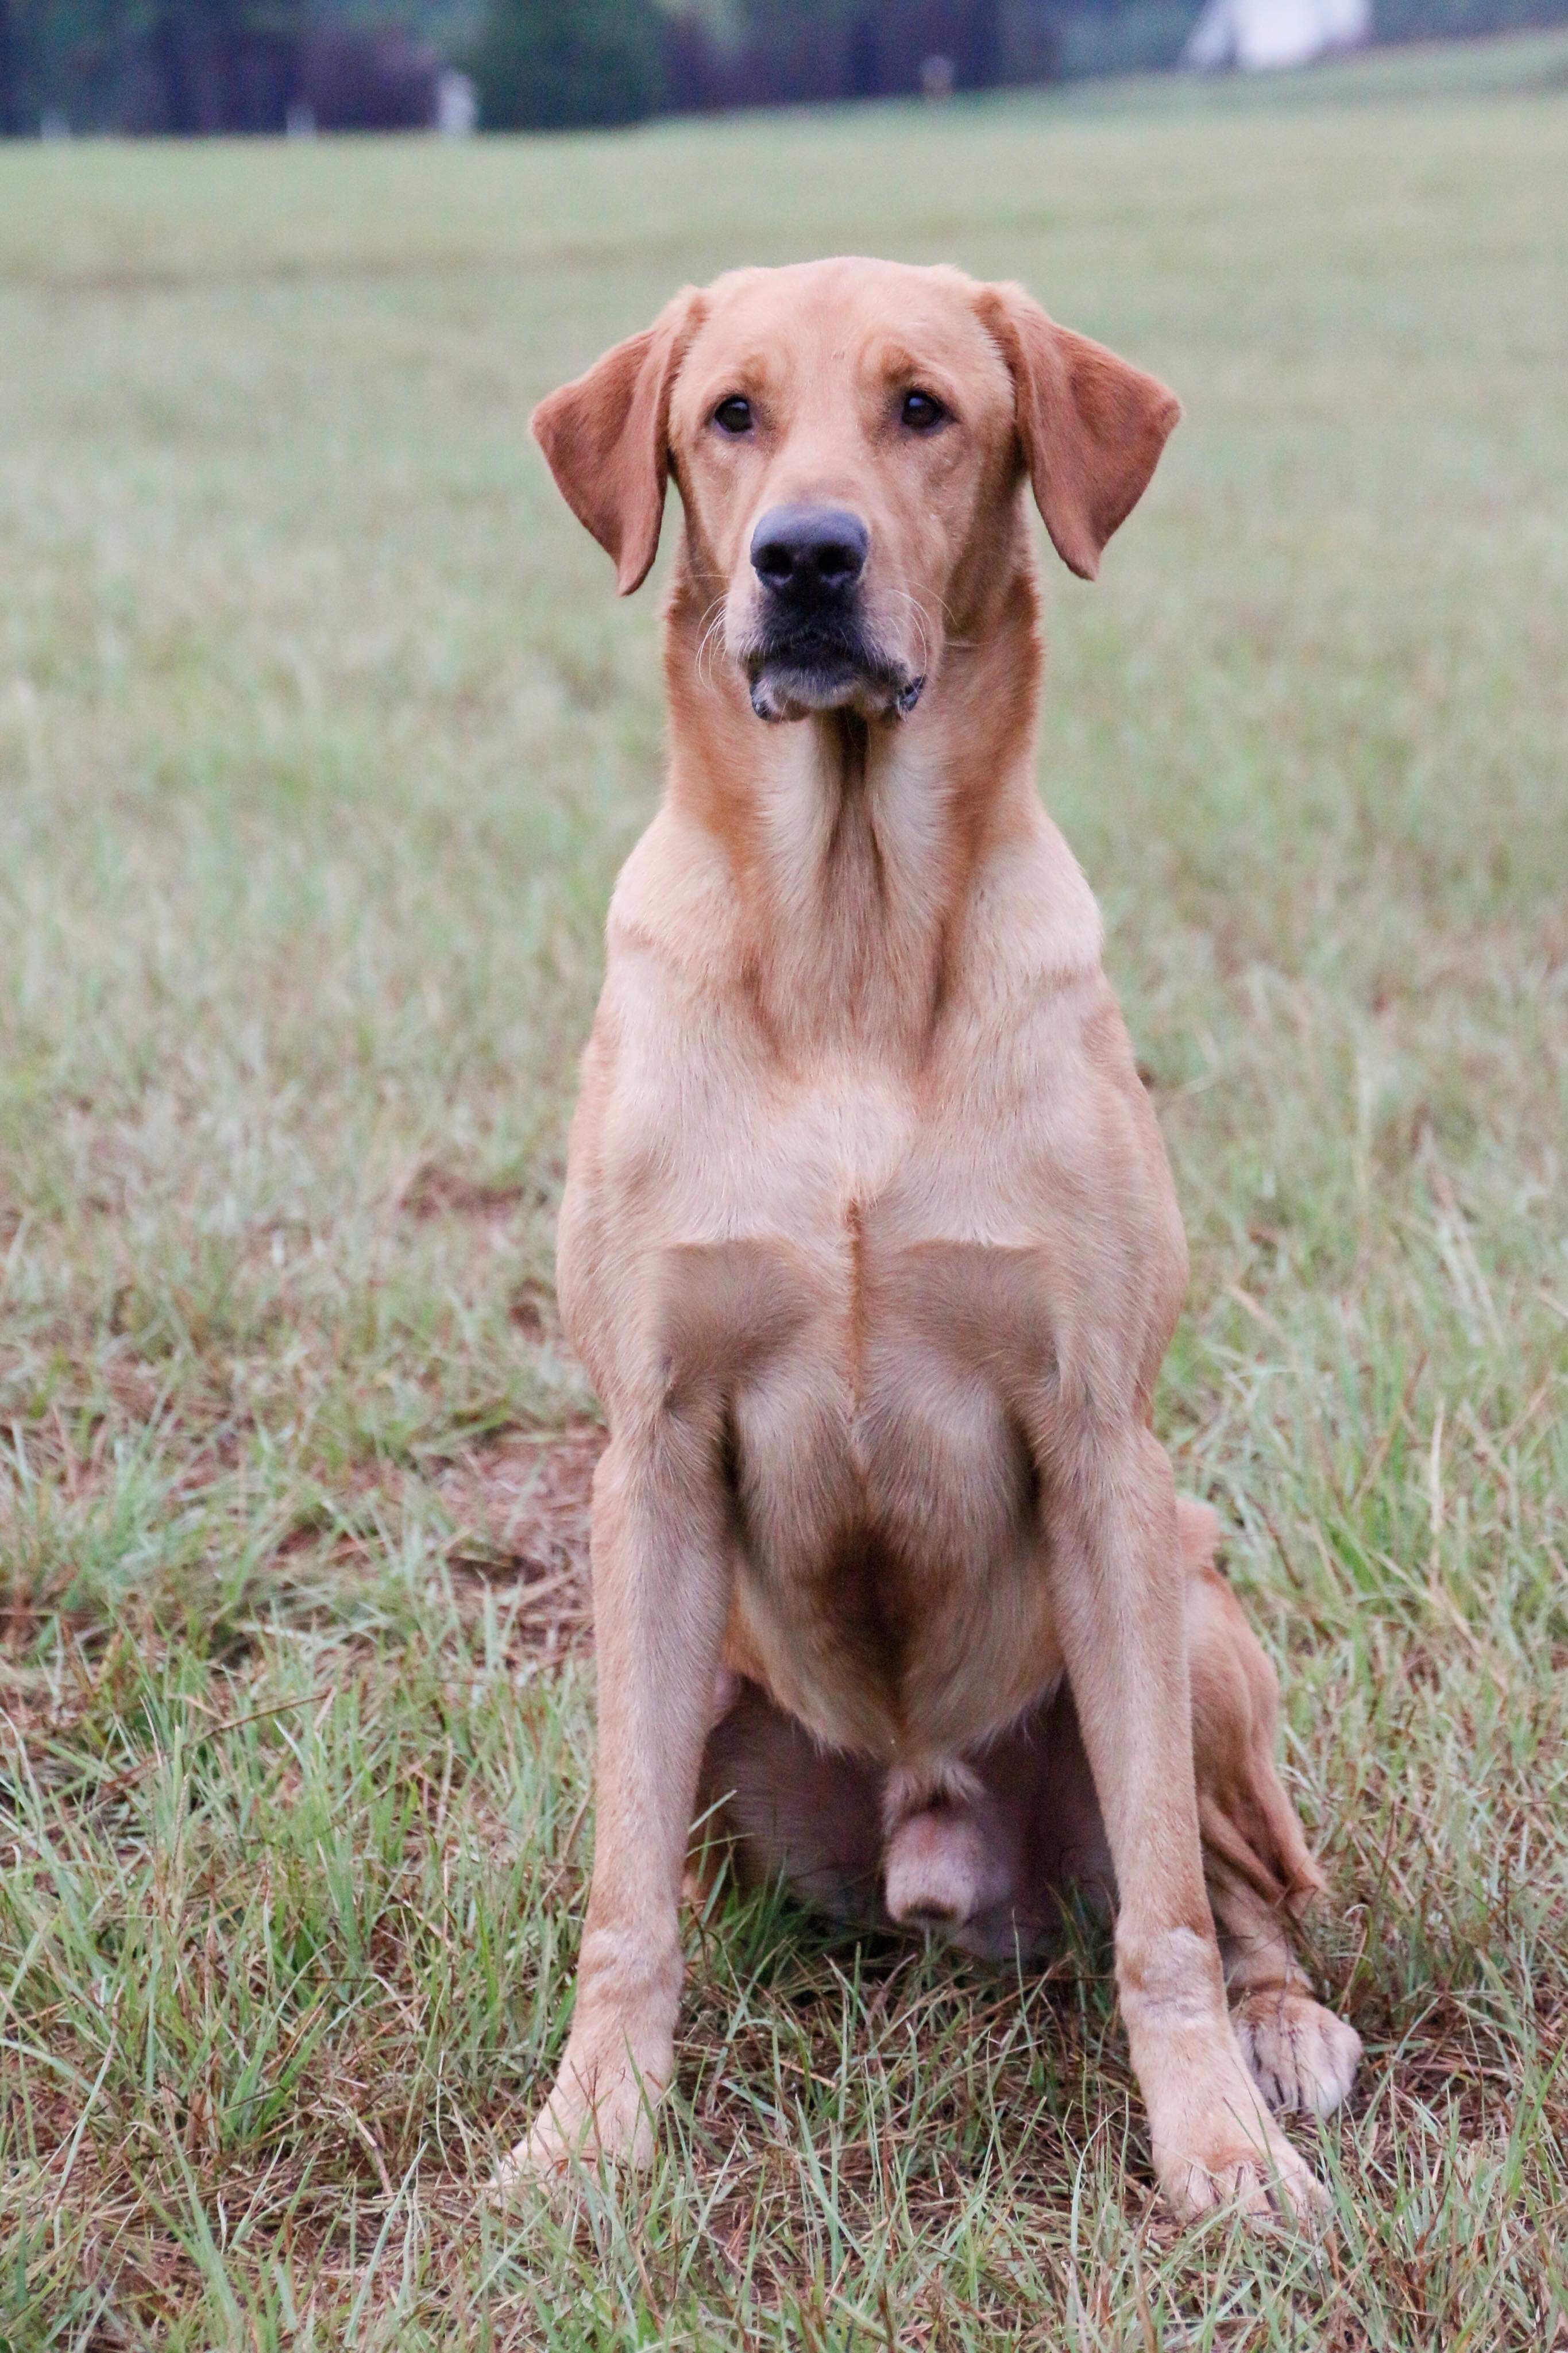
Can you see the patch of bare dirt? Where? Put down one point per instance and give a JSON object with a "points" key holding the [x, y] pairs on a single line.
{"points": [[520, 1508], [435, 1192]]}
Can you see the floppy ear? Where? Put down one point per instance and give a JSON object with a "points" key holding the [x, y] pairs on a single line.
{"points": [[606, 439], [1090, 426]]}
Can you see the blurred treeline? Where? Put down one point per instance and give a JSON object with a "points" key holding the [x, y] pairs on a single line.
{"points": [[188, 66], [182, 66]]}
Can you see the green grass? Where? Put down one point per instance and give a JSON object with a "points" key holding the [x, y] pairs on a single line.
{"points": [[322, 737]]}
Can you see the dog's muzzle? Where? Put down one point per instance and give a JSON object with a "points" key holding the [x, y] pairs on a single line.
{"points": [[811, 651]]}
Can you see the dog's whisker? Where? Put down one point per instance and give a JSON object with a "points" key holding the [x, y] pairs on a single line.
{"points": [[711, 626], [923, 623]]}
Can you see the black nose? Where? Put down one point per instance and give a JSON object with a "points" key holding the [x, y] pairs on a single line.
{"points": [[810, 554]]}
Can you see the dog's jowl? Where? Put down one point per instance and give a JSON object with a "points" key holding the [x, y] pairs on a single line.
{"points": [[870, 1243]]}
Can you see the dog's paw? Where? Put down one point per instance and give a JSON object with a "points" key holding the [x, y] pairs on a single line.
{"points": [[603, 2113], [1304, 2059], [1258, 2171]]}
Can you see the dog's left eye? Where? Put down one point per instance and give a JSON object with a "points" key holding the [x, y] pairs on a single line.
{"points": [[923, 412], [733, 415]]}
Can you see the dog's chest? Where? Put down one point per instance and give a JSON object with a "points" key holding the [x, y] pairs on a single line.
{"points": [[873, 1357]]}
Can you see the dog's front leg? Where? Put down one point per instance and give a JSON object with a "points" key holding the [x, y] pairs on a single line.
{"points": [[661, 1595], [1121, 1605]]}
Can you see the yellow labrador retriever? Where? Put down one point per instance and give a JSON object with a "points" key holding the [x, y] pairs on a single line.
{"points": [[870, 1243]]}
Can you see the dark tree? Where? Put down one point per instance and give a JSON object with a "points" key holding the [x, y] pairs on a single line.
{"points": [[550, 65], [10, 95], [804, 50]]}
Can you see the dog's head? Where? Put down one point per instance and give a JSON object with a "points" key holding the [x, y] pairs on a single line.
{"points": [[848, 438]]}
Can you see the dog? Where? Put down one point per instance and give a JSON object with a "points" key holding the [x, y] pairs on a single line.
{"points": [[868, 1241]]}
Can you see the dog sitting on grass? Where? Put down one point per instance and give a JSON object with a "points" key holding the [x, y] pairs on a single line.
{"points": [[869, 1242]]}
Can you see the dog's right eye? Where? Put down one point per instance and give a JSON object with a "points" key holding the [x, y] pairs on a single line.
{"points": [[923, 412], [733, 415]]}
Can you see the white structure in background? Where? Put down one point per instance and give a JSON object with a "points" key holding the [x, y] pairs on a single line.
{"points": [[1258, 35], [456, 105]]}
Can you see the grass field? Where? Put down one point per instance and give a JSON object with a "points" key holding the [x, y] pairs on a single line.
{"points": [[322, 737]]}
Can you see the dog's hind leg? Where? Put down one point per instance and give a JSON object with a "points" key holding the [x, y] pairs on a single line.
{"points": [[780, 1807], [1260, 1872], [867, 1848]]}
